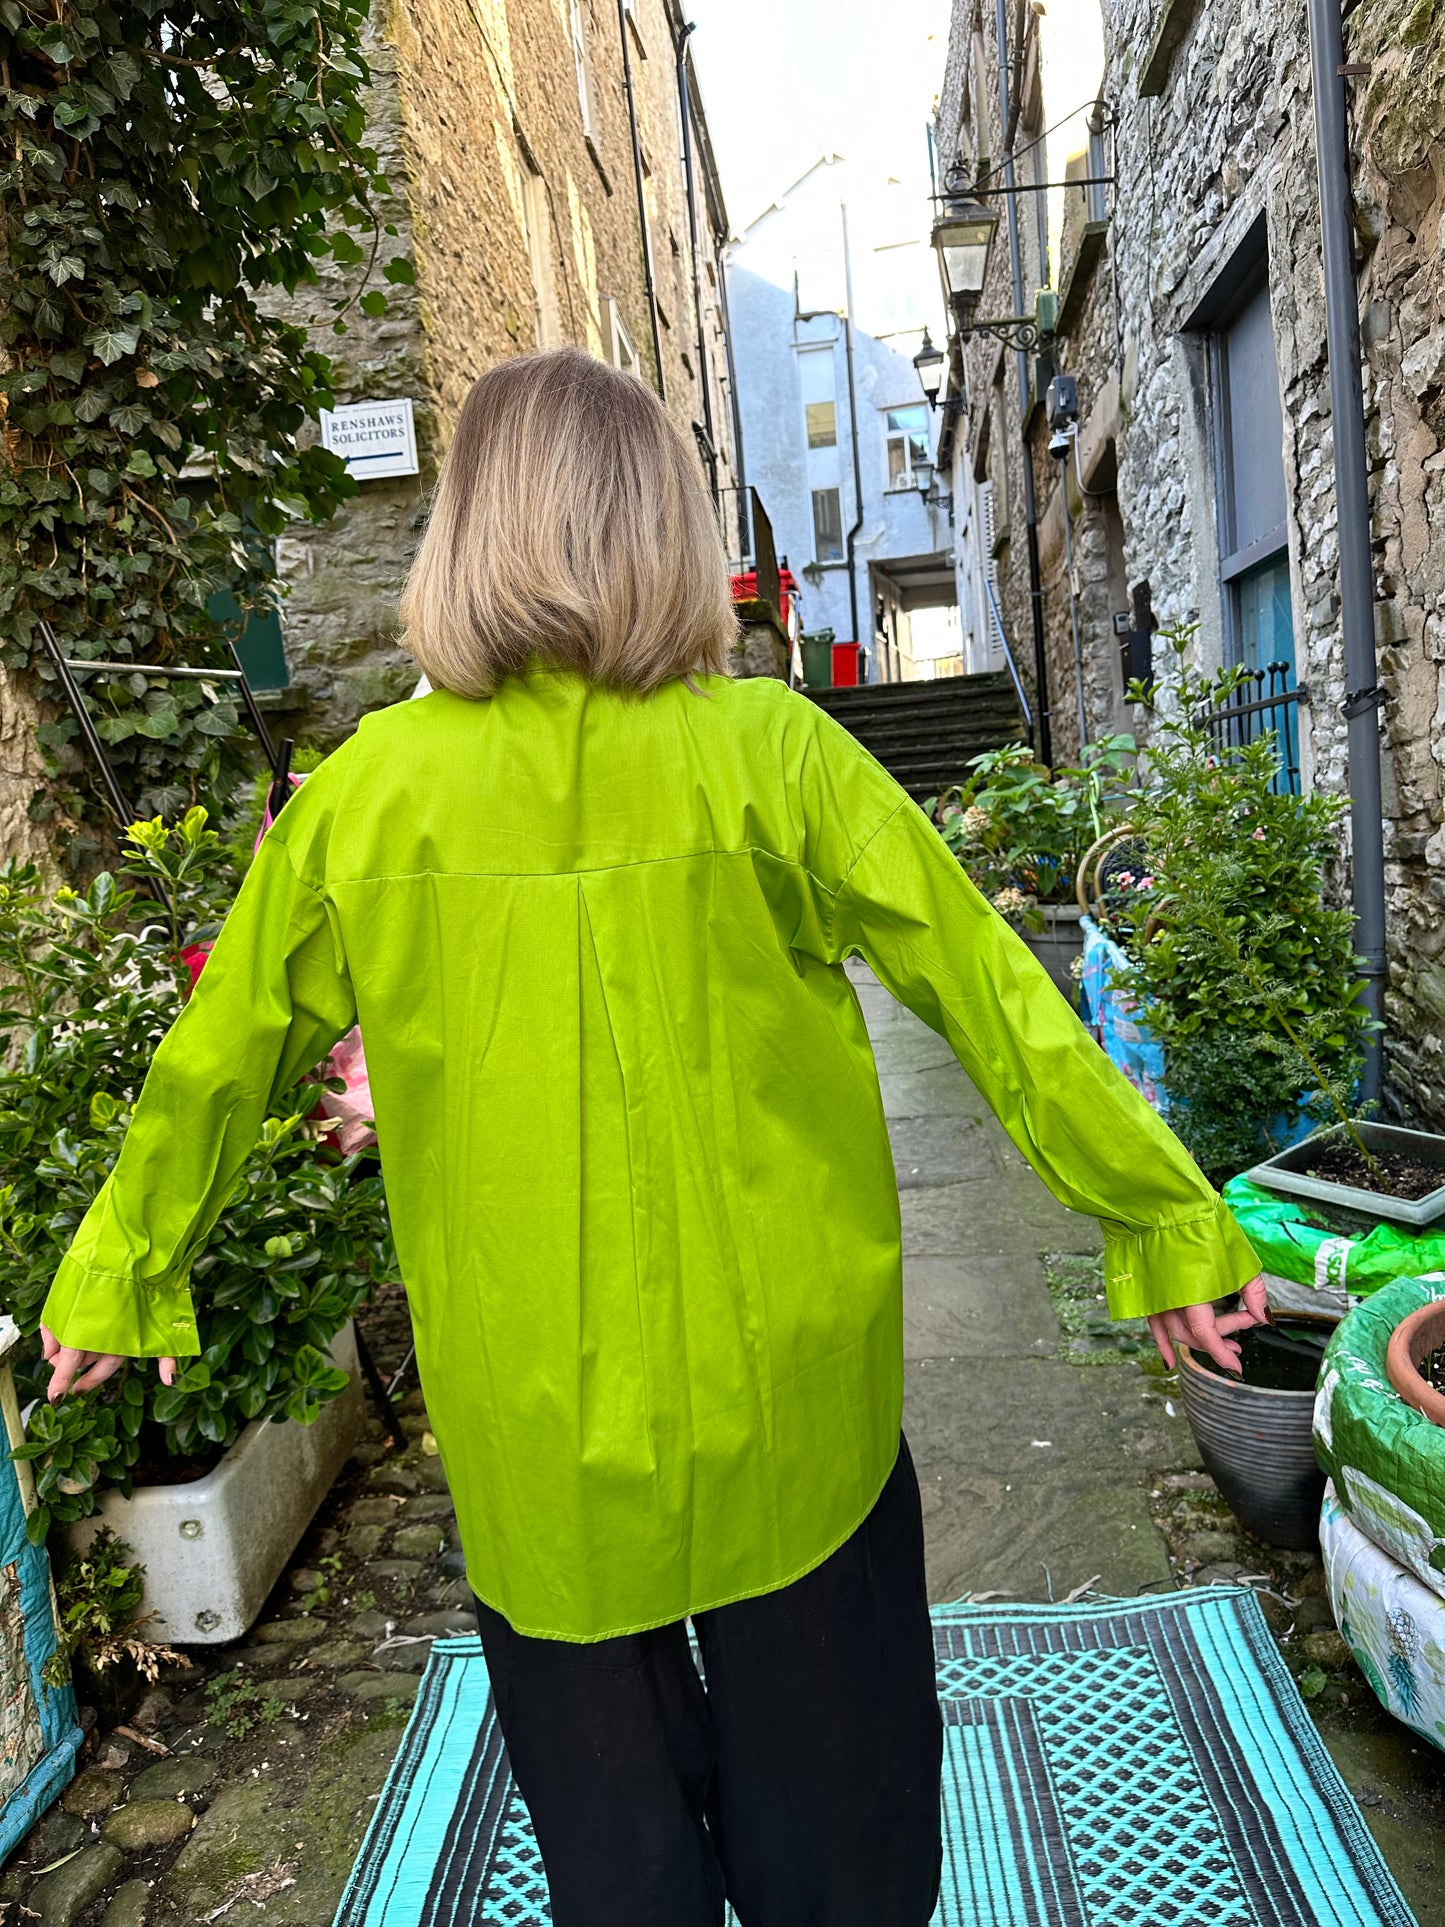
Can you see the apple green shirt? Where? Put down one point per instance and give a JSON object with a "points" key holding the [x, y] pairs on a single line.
{"points": [[629, 1119]]}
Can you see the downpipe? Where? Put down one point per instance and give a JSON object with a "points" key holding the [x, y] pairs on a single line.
{"points": [[1364, 696]]}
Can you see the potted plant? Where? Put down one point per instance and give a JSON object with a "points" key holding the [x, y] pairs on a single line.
{"points": [[186, 1474], [1245, 975], [1020, 829]]}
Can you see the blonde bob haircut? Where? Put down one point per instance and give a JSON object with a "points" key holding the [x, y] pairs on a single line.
{"points": [[571, 530]]}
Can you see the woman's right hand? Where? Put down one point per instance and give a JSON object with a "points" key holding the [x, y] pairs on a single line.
{"points": [[77, 1371], [1204, 1330]]}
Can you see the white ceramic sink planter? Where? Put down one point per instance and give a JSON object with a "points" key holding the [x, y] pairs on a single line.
{"points": [[214, 1548]]}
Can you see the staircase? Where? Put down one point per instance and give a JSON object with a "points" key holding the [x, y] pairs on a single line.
{"points": [[924, 733]]}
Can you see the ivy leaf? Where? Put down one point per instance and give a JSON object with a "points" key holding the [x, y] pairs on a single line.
{"points": [[344, 250], [373, 303], [52, 42], [399, 270], [110, 342], [257, 182]]}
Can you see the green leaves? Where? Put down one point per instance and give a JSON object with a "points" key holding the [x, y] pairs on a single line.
{"points": [[161, 166], [1251, 975], [292, 1255]]}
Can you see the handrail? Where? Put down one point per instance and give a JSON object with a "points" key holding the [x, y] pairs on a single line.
{"points": [[1009, 658]]}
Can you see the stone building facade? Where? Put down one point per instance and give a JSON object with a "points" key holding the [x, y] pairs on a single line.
{"points": [[1189, 305], [506, 132]]}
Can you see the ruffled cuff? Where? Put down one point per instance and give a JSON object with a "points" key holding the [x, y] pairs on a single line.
{"points": [[107, 1311], [1187, 1263]]}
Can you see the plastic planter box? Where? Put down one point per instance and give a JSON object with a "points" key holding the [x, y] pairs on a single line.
{"points": [[1287, 1173], [214, 1548]]}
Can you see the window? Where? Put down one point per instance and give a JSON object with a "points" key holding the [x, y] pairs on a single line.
{"points": [[827, 525], [620, 351], [583, 66], [1248, 433], [822, 419], [540, 258], [906, 430]]}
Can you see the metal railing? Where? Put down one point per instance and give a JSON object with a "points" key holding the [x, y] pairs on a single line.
{"points": [[1272, 709], [1013, 667]]}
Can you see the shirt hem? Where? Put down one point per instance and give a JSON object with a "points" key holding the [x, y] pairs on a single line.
{"points": [[708, 1606]]}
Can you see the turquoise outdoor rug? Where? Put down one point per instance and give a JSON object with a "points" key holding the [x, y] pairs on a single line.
{"points": [[1140, 1763]]}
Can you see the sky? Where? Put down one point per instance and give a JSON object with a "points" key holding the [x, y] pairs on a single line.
{"points": [[783, 80]]}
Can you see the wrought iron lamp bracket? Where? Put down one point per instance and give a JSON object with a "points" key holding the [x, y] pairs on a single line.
{"points": [[1014, 331]]}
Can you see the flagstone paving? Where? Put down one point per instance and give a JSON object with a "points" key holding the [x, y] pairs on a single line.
{"points": [[1050, 1456]]}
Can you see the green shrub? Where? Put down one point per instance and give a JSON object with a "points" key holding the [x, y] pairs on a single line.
{"points": [[1250, 975], [96, 980]]}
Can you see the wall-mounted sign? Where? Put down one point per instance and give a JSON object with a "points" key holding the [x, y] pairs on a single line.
{"points": [[373, 438]]}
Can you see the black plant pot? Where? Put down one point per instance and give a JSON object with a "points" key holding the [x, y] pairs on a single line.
{"points": [[1256, 1439]]}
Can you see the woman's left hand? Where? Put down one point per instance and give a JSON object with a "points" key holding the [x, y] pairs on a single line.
{"points": [[1204, 1330], [77, 1371]]}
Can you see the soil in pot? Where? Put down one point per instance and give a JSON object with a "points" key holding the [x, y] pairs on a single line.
{"points": [[1395, 1175], [1284, 1357]]}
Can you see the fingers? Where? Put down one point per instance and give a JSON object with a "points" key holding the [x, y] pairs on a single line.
{"points": [[66, 1366], [1205, 1335], [49, 1343], [1159, 1328], [168, 1371], [1255, 1299], [106, 1365], [77, 1371]]}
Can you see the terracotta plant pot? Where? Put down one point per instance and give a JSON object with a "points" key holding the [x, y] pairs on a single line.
{"points": [[1411, 1343]]}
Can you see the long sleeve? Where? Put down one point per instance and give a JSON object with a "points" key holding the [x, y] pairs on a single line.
{"points": [[273, 998], [907, 907]]}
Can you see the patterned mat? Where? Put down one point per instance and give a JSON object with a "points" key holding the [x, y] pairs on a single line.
{"points": [[1142, 1763]]}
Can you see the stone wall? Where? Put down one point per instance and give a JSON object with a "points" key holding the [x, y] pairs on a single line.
{"points": [[1213, 145], [1400, 198], [1228, 143], [472, 100], [984, 442]]}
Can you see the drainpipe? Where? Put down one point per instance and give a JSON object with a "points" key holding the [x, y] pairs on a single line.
{"points": [[1031, 509], [684, 101], [739, 465], [853, 431], [1352, 508], [647, 276]]}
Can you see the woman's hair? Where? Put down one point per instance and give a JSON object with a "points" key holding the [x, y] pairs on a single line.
{"points": [[571, 529]]}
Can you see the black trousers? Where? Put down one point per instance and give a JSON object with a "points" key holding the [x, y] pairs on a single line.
{"points": [[802, 1782]]}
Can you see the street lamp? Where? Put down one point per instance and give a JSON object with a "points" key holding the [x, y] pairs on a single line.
{"points": [[929, 363], [923, 473], [963, 237]]}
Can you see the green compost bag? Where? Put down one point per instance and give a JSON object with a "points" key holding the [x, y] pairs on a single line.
{"points": [[1292, 1246]]}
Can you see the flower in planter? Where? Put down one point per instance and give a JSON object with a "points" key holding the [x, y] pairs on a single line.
{"points": [[1011, 902], [97, 977], [1017, 825]]}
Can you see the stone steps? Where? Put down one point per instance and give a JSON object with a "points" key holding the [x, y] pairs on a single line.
{"points": [[925, 733]]}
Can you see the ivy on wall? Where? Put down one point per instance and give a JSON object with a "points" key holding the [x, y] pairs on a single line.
{"points": [[163, 163]]}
